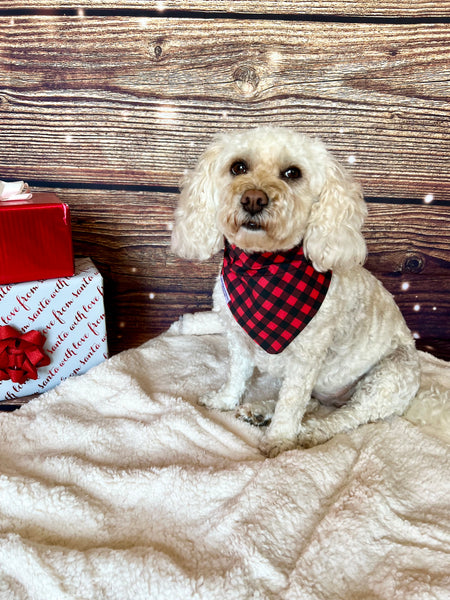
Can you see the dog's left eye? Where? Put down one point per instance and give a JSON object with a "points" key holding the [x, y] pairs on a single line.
{"points": [[239, 168], [291, 173]]}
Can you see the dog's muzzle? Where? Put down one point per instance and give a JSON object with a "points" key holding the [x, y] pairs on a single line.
{"points": [[253, 202]]}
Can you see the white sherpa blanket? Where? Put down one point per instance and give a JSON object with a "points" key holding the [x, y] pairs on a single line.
{"points": [[116, 485]]}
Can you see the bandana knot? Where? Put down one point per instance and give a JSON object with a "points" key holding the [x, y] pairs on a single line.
{"points": [[272, 295]]}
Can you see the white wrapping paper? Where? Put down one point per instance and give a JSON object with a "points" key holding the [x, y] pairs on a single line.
{"points": [[70, 313]]}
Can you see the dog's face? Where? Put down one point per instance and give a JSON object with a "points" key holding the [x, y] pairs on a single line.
{"points": [[269, 189], [266, 187]]}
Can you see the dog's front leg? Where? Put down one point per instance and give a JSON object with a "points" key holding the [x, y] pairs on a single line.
{"points": [[293, 399], [240, 370]]}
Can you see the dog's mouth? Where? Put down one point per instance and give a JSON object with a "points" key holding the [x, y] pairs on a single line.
{"points": [[252, 225]]}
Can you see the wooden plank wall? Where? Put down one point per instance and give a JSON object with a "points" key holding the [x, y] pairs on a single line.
{"points": [[109, 102]]}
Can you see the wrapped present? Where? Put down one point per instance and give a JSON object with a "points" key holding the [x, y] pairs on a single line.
{"points": [[35, 235], [50, 330]]}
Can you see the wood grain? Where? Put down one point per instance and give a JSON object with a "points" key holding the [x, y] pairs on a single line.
{"points": [[366, 8], [116, 100]]}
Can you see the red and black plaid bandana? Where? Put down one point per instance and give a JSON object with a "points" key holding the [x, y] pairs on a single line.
{"points": [[272, 295]]}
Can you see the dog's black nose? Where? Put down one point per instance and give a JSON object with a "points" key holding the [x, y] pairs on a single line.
{"points": [[254, 201]]}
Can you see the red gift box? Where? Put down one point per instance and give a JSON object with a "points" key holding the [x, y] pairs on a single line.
{"points": [[35, 239]]}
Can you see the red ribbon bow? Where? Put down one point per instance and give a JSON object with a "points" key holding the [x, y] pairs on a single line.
{"points": [[21, 354]]}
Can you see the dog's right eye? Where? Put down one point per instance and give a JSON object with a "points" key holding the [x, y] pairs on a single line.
{"points": [[239, 168]]}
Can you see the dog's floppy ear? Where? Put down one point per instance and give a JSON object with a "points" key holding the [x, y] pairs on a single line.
{"points": [[333, 238], [195, 234]]}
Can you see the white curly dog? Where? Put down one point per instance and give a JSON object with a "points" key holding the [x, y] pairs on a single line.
{"points": [[271, 193]]}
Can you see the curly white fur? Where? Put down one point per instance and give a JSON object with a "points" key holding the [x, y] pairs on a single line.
{"points": [[357, 350]]}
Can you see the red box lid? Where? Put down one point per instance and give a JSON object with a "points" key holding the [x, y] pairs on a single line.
{"points": [[35, 239]]}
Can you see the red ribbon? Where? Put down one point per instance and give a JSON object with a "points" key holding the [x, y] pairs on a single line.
{"points": [[21, 354]]}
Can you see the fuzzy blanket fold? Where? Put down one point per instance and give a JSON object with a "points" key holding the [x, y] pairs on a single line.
{"points": [[117, 485]]}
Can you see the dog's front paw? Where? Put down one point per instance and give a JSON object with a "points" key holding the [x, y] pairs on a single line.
{"points": [[272, 447], [221, 400]]}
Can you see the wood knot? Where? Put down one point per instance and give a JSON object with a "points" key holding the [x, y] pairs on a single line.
{"points": [[413, 264], [246, 79], [155, 49]]}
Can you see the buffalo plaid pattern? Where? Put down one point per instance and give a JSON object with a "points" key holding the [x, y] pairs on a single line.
{"points": [[273, 296]]}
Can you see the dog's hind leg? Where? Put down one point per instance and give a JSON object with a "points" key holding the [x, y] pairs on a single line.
{"points": [[386, 390]]}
